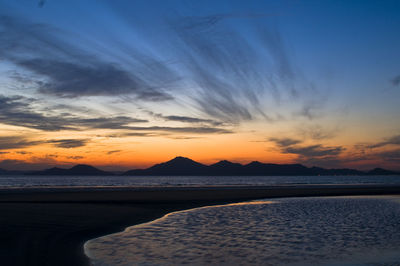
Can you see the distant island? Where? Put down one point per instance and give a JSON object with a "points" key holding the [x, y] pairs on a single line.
{"points": [[181, 166]]}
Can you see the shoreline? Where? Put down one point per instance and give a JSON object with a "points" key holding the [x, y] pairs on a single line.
{"points": [[49, 226]]}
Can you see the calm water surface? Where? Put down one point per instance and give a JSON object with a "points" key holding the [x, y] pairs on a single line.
{"points": [[296, 231], [137, 181]]}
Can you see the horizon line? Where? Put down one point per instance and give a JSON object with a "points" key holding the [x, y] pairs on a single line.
{"points": [[125, 169]]}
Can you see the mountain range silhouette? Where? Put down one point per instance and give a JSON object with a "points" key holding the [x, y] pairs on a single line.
{"points": [[80, 169], [181, 166], [187, 167]]}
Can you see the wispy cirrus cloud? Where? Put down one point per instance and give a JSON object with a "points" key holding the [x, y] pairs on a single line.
{"points": [[68, 71], [227, 75], [317, 132], [310, 110], [226, 70]]}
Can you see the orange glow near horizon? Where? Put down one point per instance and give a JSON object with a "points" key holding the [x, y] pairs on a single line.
{"points": [[142, 152]]}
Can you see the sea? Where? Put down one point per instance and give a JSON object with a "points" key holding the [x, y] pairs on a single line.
{"points": [[345, 230], [290, 231], [28, 181]]}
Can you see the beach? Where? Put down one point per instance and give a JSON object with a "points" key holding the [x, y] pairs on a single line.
{"points": [[48, 226]]}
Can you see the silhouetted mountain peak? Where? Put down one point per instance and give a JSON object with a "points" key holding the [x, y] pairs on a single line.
{"points": [[377, 169], [177, 166], [254, 163], [225, 167], [225, 163], [55, 169], [178, 161], [83, 167], [187, 167], [296, 165], [181, 159], [381, 171], [317, 168], [80, 169], [11, 172]]}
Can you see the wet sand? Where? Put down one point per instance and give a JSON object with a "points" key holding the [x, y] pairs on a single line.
{"points": [[48, 226]]}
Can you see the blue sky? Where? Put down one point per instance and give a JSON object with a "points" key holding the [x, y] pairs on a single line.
{"points": [[253, 70]]}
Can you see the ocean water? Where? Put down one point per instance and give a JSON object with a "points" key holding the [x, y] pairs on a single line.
{"points": [[357, 230], [7, 181]]}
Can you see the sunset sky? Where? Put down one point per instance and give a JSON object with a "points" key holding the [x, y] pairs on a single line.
{"points": [[126, 84]]}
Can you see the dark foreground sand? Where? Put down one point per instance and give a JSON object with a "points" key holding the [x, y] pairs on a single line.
{"points": [[49, 226]]}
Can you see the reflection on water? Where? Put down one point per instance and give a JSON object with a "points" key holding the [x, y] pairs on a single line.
{"points": [[298, 231]]}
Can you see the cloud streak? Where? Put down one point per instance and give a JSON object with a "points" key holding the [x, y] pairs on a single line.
{"points": [[227, 71], [16, 142], [193, 130], [306, 152], [285, 142], [394, 140], [314, 150], [114, 151], [69, 80], [17, 111], [396, 81], [391, 155], [35, 163], [69, 143], [185, 119], [227, 74], [75, 157], [68, 71], [317, 132]]}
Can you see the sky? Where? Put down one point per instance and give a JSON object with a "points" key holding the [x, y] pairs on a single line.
{"points": [[127, 84]]}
